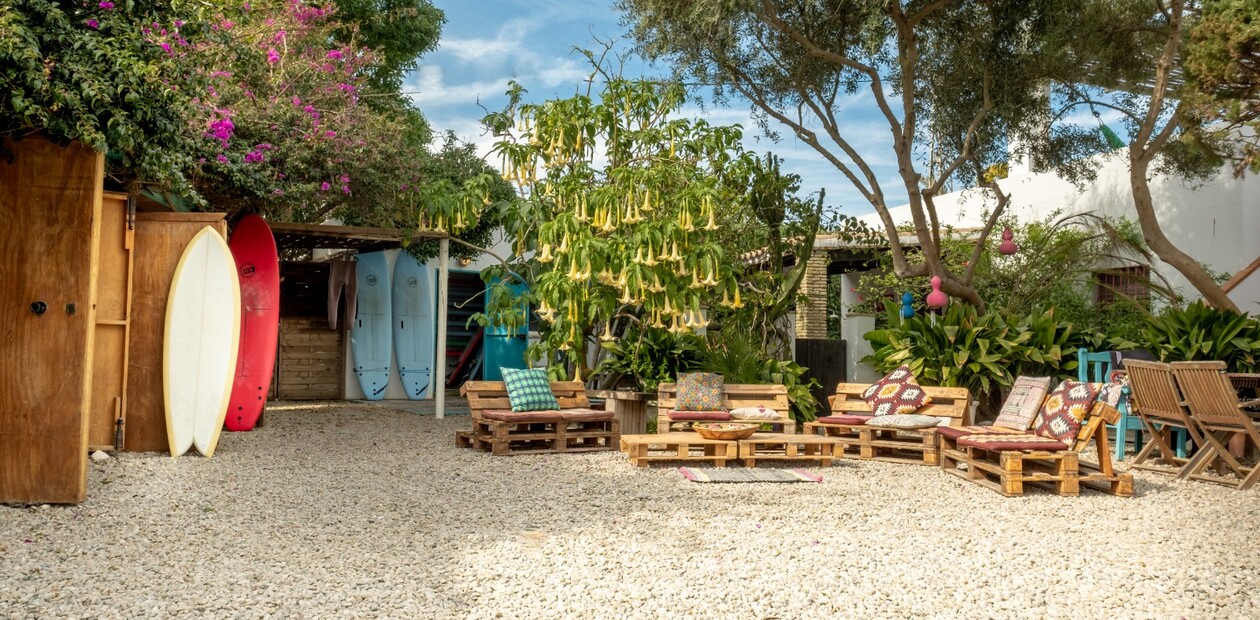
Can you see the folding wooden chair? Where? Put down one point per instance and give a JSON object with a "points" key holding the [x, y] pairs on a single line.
{"points": [[1216, 410], [1158, 404]]}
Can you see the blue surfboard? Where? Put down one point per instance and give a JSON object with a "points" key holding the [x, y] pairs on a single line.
{"points": [[370, 340], [413, 326]]}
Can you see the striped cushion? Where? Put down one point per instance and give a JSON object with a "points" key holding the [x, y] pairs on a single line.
{"points": [[1023, 403], [1004, 441], [721, 416]]}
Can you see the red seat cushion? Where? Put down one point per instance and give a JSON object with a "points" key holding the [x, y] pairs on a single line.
{"points": [[957, 432], [1006, 441], [586, 415], [720, 416], [851, 420], [521, 417]]}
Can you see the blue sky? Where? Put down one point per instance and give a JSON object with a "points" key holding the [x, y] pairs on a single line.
{"points": [[488, 42]]}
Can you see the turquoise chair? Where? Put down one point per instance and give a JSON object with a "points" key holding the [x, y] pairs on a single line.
{"points": [[1096, 368]]}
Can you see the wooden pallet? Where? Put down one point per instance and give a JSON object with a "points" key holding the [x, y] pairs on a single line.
{"points": [[505, 439], [916, 446], [789, 447], [644, 449], [1007, 471]]}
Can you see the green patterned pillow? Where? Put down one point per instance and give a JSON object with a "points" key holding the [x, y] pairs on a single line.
{"points": [[699, 391], [529, 389]]}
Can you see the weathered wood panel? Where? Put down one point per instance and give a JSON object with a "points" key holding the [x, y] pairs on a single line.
{"points": [[113, 306], [160, 239], [311, 360], [50, 198]]}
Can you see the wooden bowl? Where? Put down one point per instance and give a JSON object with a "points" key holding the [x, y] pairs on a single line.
{"points": [[725, 430]]}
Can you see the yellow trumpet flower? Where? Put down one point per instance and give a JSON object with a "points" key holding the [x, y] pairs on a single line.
{"points": [[545, 256], [737, 303], [650, 261], [712, 225]]}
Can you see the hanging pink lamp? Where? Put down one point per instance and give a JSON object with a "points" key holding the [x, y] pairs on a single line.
{"points": [[936, 299], [1008, 247]]}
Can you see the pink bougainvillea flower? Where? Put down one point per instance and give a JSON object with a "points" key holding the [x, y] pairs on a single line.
{"points": [[253, 156], [222, 158], [179, 23], [297, 101], [273, 56], [330, 134], [334, 54], [279, 36], [166, 47], [226, 25], [345, 189], [325, 186], [93, 24], [345, 178], [106, 4]]}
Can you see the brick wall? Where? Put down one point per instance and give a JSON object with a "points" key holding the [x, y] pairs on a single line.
{"points": [[811, 316]]}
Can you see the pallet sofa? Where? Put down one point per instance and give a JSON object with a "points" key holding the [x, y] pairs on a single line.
{"points": [[734, 396], [575, 427], [1005, 459], [849, 414]]}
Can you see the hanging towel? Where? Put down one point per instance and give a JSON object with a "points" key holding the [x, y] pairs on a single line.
{"points": [[341, 274]]}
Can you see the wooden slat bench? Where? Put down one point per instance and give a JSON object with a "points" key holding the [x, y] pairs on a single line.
{"points": [[575, 427], [849, 413], [994, 458], [734, 396]]}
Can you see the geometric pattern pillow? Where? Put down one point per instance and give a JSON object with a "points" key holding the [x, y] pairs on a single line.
{"points": [[1065, 409], [1023, 403], [529, 389], [699, 391], [896, 393]]}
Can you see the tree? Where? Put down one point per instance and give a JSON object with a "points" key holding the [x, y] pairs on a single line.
{"points": [[1131, 57], [398, 31], [956, 75], [1222, 61]]}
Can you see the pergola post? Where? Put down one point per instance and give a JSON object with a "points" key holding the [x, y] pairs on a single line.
{"points": [[439, 362]]}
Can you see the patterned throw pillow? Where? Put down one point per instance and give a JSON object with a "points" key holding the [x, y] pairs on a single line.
{"points": [[908, 420], [1113, 392], [699, 391], [1065, 409], [896, 393], [760, 412], [1023, 403], [529, 389]]}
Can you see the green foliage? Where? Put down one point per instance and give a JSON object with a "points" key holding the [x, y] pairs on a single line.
{"points": [[1200, 332], [82, 72], [981, 352], [650, 356], [739, 357], [1056, 267]]}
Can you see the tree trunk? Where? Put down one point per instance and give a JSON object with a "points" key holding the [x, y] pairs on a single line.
{"points": [[1162, 247]]}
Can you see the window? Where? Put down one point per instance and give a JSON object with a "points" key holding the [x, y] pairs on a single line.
{"points": [[1124, 283]]}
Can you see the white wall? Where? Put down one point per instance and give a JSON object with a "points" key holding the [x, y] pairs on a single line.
{"points": [[1218, 222], [395, 391]]}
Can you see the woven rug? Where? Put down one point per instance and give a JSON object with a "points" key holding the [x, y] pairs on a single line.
{"points": [[744, 474]]}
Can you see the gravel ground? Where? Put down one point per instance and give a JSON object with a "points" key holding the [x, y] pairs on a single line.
{"points": [[362, 511]]}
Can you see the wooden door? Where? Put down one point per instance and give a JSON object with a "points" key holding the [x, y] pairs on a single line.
{"points": [[160, 239], [113, 309], [50, 199]]}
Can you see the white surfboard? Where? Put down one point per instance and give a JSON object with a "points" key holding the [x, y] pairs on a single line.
{"points": [[413, 326], [203, 329]]}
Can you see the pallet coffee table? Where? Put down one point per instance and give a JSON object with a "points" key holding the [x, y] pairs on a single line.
{"points": [[789, 447], [689, 446]]}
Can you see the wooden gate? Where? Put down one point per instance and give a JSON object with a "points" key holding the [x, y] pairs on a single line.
{"points": [[825, 361], [50, 201]]}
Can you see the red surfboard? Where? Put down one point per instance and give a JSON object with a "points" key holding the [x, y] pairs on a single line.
{"points": [[258, 265]]}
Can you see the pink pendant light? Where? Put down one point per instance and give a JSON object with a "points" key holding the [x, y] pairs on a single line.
{"points": [[1008, 247], [936, 299]]}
